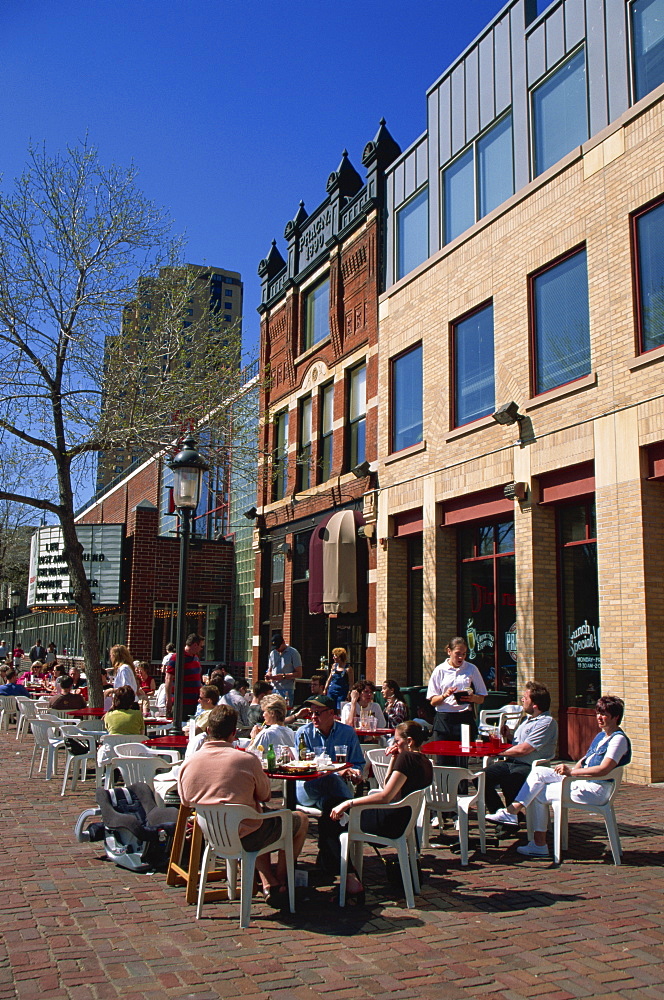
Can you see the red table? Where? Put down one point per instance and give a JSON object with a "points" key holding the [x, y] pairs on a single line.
{"points": [[172, 742], [452, 748], [290, 779], [84, 713], [374, 732]]}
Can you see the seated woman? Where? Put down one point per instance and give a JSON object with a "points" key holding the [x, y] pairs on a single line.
{"points": [[125, 717], [409, 771], [611, 748], [362, 704], [145, 682], [273, 731], [396, 710]]}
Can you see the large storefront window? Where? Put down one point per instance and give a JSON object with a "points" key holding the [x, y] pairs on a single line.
{"points": [[487, 601], [209, 620], [579, 604]]}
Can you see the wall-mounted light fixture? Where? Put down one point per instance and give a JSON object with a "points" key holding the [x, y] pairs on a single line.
{"points": [[283, 547], [251, 514], [508, 414], [361, 470], [516, 491]]}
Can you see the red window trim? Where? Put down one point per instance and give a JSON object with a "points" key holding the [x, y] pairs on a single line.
{"points": [[408, 522], [477, 506], [534, 391], [574, 481], [636, 293]]}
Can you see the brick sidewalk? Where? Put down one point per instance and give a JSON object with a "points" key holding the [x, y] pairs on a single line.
{"points": [[79, 928]]}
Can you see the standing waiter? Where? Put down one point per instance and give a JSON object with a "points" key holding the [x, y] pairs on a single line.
{"points": [[454, 687]]}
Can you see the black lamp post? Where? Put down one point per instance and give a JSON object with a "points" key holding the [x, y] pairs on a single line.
{"points": [[16, 600], [188, 468]]}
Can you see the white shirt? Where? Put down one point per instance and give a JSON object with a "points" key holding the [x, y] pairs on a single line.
{"points": [[275, 735], [124, 675], [372, 708], [446, 676]]}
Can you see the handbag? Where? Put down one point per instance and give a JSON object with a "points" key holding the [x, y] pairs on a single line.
{"points": [[75, 746]]}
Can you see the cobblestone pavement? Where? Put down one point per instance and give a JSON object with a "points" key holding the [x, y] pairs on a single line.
{"points": [[79, 928]]}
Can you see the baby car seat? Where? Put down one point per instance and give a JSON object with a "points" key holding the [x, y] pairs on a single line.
{"points": [[137, 833]]}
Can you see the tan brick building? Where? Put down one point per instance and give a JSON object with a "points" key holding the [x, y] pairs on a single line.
{"points": [[524, 263]]}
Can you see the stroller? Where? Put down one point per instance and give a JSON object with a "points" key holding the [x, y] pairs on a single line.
{"points": [[137, 833]]}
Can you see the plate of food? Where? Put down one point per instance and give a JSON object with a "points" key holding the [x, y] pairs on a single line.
{"points": [[299, 767]]}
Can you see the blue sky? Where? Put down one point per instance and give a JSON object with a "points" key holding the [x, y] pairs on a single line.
{"points": [[232, 110]]}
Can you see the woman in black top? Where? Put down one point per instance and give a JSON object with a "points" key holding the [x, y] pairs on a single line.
{"points": [[409, 771]]}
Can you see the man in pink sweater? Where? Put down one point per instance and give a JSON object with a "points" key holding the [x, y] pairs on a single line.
{"points": [[217, 774]]}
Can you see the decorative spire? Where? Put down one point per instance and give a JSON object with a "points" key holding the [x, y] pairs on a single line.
{"points": [[382, 148], [272, 264], [345, 178]]}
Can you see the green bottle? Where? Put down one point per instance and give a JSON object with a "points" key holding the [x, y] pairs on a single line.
{"points": [[302, 748], [271, 759]]}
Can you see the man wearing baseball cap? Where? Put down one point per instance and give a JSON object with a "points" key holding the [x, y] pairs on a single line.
{"points": [[324, 732]]}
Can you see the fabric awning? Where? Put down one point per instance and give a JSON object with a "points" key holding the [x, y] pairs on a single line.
{"points": [[339, 564]]}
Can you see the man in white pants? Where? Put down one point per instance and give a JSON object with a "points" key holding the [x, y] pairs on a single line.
{"points": [[609, 749]]}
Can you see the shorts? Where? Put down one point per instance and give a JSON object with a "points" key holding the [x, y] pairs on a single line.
{"points": [[267, 832]]}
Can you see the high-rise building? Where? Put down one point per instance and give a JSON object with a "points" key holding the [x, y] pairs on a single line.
{"points": [[216, 296]]}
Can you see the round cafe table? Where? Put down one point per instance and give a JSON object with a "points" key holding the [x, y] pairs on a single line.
{"points": [[168, 742], [290, 800], [374, 732], [84, 713], [453, 748]]}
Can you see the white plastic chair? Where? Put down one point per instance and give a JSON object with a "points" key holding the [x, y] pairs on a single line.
{"points": [[220, 827], [133, 769], [26, 712], [140, 750], [48, 742], [561, 809], [106, 750], [492, 718], [78, 763], [380, 762], [353, 838], [8, 710], [44, 710], [442, 797]]}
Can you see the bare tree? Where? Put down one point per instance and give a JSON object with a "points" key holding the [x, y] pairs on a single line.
{"points": [[92, 358]]}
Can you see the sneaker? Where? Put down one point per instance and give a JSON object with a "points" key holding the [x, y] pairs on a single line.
{"points": [[533, 850], [503, 816]]}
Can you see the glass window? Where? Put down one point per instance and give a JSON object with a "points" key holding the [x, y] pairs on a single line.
{"points": [[560, 112], [479, 180], [459, 195], [415, 644], [495, 166], [407, 399], [304, 456], [487, 601], [647, 45], [649, 259], [413, 233], [561, 323], [326, 431], [579, 604], [357, 415], [301, 555], [280, 456], [317, 313], [474, 392], [168, 521]]}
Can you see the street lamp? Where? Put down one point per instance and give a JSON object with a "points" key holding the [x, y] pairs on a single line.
{"points": [[188, 468], [15, 601]]}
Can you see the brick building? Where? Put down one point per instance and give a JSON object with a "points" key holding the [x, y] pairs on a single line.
{"points": [[319, 405], [524, 265]]}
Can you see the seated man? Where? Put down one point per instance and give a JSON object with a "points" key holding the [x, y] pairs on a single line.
{"points": [[67, 699], [234, 698], [317, 683], [11, 687], [207, 699], [532, 740], [325, 733], [218, 774]]}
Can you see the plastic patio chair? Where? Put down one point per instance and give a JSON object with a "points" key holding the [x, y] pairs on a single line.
{"points": [[380, 762], [8, 711], [26, 712], [48, 742], [442, 797], [496, 718], [78, 763], [135, 769], [106, 753], [353, 838], [606, 811], [220, 827]]}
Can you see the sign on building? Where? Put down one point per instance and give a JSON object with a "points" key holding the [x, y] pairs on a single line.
{"points": [[49, 583]]}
